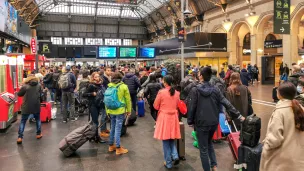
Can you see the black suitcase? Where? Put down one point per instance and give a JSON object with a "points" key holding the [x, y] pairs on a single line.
{"points": [[180, 143], [274, 94], [131, 119], [249, 158]]}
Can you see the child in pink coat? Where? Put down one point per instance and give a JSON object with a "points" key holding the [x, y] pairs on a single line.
{"points": [[167, 125]]}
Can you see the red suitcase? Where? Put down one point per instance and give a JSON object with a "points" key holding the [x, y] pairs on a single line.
{"points": [[45, 112], [234, 141]]}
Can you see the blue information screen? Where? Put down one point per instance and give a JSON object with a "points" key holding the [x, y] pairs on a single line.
{"points": [[147, 52], [107, 52]]}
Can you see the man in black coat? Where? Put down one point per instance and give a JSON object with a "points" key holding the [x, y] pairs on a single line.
{"points": [[31, 92], [133, 84], [204, 107], [245, 78], [106, 77]]}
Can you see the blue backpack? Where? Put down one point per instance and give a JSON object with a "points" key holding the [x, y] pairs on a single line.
{"points": [[111, 100]]}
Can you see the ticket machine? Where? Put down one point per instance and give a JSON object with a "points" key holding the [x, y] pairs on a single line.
{"points": [[7, 97]]}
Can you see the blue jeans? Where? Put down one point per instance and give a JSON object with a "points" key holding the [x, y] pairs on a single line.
{"points": [[52, 93], [204, 137], [24, 118], [116, 125], [170, 152]]}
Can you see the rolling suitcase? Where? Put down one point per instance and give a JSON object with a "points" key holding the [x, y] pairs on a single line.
{"points": [[141, 108], [180, 143], [234, 141], [274, 94], [249, 158], [217, 136], [45, 112]]}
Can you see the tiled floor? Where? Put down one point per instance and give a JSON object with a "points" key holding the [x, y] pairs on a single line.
{"points": [[145, 152]]}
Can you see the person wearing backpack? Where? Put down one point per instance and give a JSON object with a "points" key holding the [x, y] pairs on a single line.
{"points": [[118, 103], [83, 86], [67, 84], [95, 94], [48, 83], [55, 79], [133, 84]]}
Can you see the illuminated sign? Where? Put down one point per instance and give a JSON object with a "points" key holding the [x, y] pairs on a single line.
{"points": [[33, 46]]}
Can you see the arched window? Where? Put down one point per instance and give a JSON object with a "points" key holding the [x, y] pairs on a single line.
{"points": [[246, 41], [270, 37]]}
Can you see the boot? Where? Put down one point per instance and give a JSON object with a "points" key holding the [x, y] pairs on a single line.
{"points": [[99, 140], [112, 148], [103, 134], [19, 141], [121, 150], [39, 136]]}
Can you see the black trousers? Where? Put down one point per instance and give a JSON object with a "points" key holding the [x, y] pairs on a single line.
{"points": [[153, 111]]}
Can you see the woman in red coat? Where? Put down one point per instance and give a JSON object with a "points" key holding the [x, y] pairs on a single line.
{"points": [[167, 125]]}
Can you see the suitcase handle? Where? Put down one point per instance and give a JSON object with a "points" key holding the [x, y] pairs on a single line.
{"points": [[42, 105], [233, 125]]}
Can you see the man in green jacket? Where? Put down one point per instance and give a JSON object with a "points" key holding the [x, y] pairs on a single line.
{"points": [[118, 115]]}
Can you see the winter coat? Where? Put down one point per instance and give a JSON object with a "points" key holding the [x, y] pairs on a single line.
{"points": [[106, 81], [167, 123], [222, 74], [245, 78], [151, 91], [48, 80], [123, 96], [294, 78], [284, 145], [240, 98], [143, 80], [92, 87], [204, 105], [184, 83], [132, 82], [185, 92], [227, 77], [31, 93], [218, 82]]}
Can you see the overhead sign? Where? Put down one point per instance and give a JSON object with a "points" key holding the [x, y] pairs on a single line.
{"points": [[281, 16], [33, 46], [246, 51], [273, 44], [45, 47]]}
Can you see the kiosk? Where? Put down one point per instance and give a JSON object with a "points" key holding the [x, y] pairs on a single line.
{"points": [[7, 98], [29, 61]]}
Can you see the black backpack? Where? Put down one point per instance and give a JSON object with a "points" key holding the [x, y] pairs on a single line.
{"points": [[251, 131], [99, 97], [82, 90], [48, 78], [55, 78]]}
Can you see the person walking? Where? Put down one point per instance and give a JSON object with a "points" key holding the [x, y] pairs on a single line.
{"points": [[167, 125], [118, 115], [240, 97], [151, 92], [31, 92], [67, 84], [245, 78], [228, 73], [133, 84], [95, 94], [204, 107], [283, 145]]}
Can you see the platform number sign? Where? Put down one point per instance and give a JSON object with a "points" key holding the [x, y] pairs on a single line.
{"points": [[281, 16]]}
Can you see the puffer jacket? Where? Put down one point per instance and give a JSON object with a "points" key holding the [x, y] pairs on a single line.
{"points": [[31, 93], [151, 91], [132, 82], [204, 105]]}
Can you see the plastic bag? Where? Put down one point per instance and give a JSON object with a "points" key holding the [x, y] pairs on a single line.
{"points": [[54, 112]]}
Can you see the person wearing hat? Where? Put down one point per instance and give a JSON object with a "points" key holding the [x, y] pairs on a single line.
{"points": [[68, 98]]}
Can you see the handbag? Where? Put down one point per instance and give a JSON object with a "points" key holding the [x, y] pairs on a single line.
{"points": [[182, 107]]}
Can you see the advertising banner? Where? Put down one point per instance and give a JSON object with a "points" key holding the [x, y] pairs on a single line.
{"points": [[281, 16], [3, 14]]}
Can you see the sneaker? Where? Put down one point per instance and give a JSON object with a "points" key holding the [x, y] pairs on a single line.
{"points": [[19, 141], [39, 136], [121, 150], [176, 162], [112, 148], [64, 121], [104, 134]]}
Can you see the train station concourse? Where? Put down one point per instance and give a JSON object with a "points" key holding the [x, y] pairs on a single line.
{"points": [[151, 85]]}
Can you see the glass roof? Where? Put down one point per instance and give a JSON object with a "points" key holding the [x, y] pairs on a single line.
{"points": [[109, 8]]}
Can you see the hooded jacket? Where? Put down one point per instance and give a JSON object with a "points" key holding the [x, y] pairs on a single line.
{"points": [[123, 96], [132, 82], [151, 91], [245, 77], [204, 104], [31, 93]]}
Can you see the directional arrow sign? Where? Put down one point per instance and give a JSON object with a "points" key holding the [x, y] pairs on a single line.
{"points": [[281, 17]]}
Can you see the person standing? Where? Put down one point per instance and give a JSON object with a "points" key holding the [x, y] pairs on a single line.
{"points": [[228, 73], [95, 93], [167, 125], [204, 107], [118, 115], [245, 78], [151, 92], [48, 83], [222, 73], [256, 72], [31, 92], [133, 84], [67, 84], [240, 97], [107, 77], [283, 145]]}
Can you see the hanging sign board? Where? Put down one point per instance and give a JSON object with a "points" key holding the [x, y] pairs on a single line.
{"points": [[33, 46], [281, 16]]}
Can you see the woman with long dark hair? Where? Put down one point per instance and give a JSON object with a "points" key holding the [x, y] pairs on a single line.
{"points": [[167, 125], [151, 92], [284, 143], [95, 92], [239, 96]]}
